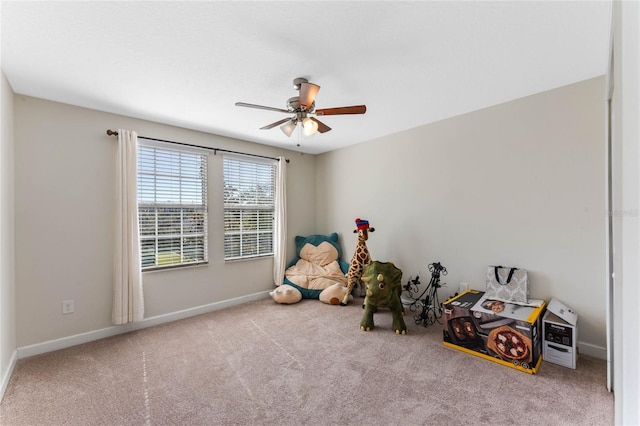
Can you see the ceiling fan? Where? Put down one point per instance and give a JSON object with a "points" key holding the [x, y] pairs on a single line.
{"points": [[302, 107]]}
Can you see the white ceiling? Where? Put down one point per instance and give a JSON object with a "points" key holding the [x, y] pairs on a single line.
{"points": [[411, 63]]}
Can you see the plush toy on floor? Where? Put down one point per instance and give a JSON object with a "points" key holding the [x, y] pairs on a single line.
{"points": [[360, 259], [286, 294], [384, 285], [318, 264], [334, 294]]}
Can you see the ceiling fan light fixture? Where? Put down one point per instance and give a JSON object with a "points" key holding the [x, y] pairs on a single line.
{"points": [[309, 126], [308, 92], [288, 127]]}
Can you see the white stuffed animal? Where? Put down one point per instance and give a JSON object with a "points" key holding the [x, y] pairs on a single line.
{"points": [[286, 294], [334, 294]]}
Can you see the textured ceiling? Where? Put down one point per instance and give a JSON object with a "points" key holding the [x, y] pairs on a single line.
{"points": [[411, 63]]}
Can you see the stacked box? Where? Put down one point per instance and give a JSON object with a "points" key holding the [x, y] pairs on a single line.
{"points": [[560, 333], [506, 333]]}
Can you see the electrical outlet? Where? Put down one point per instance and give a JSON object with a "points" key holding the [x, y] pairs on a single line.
{"points": [[67, 307]]}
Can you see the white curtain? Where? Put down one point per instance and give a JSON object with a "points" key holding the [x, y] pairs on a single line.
{"points": [[128, 302], [280, 225]]}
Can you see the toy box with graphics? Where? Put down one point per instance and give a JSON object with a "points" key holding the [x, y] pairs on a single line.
{"points": [[560, 334], [502, 332]]}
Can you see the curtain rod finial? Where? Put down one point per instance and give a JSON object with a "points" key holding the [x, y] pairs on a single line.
{"points": [[111, 132]]}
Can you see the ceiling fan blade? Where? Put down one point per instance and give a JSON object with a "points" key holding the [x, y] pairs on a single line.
{"points": [[322, 128], [356, 109], [308, 92], [272, 125], [244, 104]]}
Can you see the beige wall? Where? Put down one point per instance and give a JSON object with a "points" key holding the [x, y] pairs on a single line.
{"points": [[65, 165], [518, 184], [7, 269]]}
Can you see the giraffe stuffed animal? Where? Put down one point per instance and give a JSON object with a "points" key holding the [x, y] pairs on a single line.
{"points": [[360, 259]]}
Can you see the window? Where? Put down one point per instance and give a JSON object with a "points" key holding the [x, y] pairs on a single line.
{"points": [[249, 194], [172, 206]]}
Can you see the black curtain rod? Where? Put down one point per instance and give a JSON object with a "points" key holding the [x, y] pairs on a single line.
{"points": [[215, 150]]}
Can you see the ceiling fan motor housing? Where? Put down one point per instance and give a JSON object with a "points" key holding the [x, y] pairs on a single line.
{"points": [[293, 104]]}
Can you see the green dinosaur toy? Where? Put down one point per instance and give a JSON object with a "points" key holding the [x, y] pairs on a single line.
{"points": [[384, 285]]}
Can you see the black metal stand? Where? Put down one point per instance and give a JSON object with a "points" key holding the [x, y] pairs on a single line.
{"points": [[429, 306]]}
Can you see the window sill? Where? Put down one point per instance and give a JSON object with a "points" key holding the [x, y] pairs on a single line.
{"points": [[175, 267], [245, 259]]}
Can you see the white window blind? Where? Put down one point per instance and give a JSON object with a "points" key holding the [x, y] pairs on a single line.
{"points": [[172, 206], [249, 194]]}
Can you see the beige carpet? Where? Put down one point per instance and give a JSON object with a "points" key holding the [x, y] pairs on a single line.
{"points": [[304, 364]]}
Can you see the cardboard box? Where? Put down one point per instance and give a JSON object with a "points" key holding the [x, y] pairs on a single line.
{"points": [[506, 333], [560, 331]]}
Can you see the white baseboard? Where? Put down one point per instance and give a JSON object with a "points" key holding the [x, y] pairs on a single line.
{"points": [[7, 374], [599, 352], [65, 342]]}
